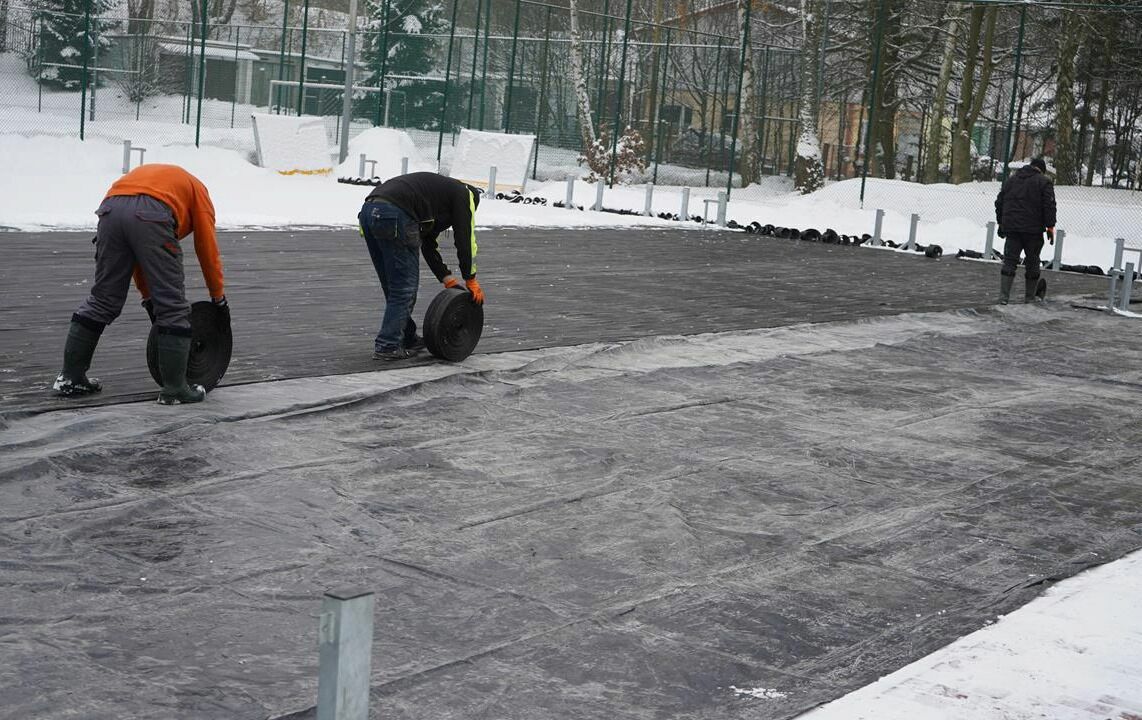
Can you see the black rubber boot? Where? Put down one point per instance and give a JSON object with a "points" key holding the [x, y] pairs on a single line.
{"points": [[1029, 292], [1005, 283], [173, 351], [72, 381]]}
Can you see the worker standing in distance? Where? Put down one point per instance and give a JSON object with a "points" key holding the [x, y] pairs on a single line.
{"points": [[1024, 210], [402, 219]]}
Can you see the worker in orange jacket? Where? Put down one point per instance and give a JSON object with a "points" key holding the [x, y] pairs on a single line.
{"points": [[141, 221]]}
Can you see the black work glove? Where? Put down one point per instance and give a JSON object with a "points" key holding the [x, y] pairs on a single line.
{"points": [[222, 304], [999, 231], [150, 308]]}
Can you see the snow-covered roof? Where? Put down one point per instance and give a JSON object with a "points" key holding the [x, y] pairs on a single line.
{"points": [[212, 51]]}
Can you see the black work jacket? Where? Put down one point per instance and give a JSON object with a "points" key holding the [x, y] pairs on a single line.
{"points": [[437, 202], [1026, 202]]}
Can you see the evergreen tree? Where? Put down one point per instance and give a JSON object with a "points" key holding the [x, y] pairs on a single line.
{"points": [[397, 43], [64, 41]]}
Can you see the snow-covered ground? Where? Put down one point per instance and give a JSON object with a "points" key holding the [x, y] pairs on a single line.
{"points": [[1074, 653]]}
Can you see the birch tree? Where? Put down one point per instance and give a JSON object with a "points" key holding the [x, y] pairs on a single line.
{"points": [[982, 20], [808, 174], [1070, 37], [579, 81]]}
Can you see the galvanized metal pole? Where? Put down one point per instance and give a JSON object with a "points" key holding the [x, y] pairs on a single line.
{"points": [[738, 99], [511, 73], [604, 59], [541, 110], [86, 50], [475, 57], [714, 108], [872, 98], [484, 73], [1009, 141], [347, 94], [447, 83], [201, 77], [281, 60], [619, 94], [657, 129], [345, 647], [301, 75], [234, 100], [382, 96]]}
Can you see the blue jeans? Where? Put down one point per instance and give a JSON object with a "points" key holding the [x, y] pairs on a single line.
{"points": [[393, 240]]}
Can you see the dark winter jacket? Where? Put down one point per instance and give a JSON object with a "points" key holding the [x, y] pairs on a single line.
{"points": [[436, 202], [1026, 202]]}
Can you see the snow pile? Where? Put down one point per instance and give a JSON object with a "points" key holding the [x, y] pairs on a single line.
{"points": [[386, 146]]}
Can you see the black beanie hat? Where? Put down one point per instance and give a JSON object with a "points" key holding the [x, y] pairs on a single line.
{"points": [[1038, 163]]}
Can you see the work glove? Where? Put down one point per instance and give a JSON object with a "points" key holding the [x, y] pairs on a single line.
{"points": [[450, 282], [222, 304], [1001, 232], [150, 308], [1051, 235], [476, 290]]}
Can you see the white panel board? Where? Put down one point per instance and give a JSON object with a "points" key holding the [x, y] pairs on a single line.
{"points": [[292, 145], [476, 152]]}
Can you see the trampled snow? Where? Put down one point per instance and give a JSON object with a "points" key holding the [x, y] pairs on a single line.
{"points": [[56, 182]]}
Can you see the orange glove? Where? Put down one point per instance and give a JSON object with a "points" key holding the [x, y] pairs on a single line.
{"points": [[451, 282], [476, 290], [1051, 235]]}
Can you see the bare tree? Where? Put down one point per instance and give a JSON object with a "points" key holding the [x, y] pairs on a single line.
{"points": [[1070, 37], [982, 20], [934, 152], [579, 79]]}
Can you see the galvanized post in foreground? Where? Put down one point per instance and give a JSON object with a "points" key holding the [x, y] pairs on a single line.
{"points": [[1057, 262], [599, 195], [989, 243], [877, 227], [1127, 285], [404, 166], [722, 203], [649, 199], [492, 182], [345, 643], [912, 232], [570, 192], [684, 214]]}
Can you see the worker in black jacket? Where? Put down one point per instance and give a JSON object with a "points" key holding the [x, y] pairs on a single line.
{"points": [[401, 218], [1024, 210]]}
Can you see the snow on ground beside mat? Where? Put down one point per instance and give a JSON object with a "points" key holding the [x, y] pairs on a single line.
{"points": [[1073, 654], [56, 181]]}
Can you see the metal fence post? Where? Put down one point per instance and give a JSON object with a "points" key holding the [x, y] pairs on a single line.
{"points": [[989, 243], [1119, 248], [447, 83], [126, 156], [361, 166], [570, 192], [685, 211], [876, 227], [404, 166], [722, 204], [347, 93], [912, 232], [345, 641], [649, 199], [301, 75], [1127, 285], [492, 182], [1057, 262], [511, 72], [599, 195], [619, 94]]}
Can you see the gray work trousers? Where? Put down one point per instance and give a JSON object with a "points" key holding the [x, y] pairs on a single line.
{"points": [[137, 229]]}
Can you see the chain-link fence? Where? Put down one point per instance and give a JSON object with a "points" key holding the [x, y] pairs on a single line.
{"points": [[924, 91]]}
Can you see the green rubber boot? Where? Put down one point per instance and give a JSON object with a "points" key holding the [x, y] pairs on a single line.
{"points": [[72, 381], [1030, 291], [173, 351], [1005, 283]]}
